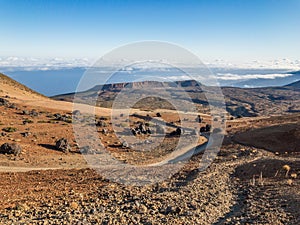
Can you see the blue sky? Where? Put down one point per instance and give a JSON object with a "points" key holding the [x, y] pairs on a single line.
{"points": [[212, 29]]}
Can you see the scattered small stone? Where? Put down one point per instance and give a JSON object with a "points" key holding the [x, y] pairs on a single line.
{"points": [[125, 145], [25, 112], [64, 118], [33, 113], [74, 205], [143, 208], [104, 131], [76, 113], [25, 134], [12, 106]]}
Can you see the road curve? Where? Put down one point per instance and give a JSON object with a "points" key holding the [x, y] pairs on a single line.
{"points": [[184, 153]]}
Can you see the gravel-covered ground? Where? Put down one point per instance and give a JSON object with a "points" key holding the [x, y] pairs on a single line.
{"points": [[244, 185], [223, 194]]}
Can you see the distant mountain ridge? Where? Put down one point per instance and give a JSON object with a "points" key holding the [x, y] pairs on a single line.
{"points": [[144, 84], [295, 85], [239, 101]]}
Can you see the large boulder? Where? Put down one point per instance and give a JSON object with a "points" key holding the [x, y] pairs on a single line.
{"points": [[133, 131], [76, 113], [3, 102], [179, 131], [10, 148], [101, 123], [202, 129], [198, 119], [208, 128], [77, 116], [63, 145], [142, 128]]}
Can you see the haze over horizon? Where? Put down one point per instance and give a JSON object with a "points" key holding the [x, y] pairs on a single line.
{"points": [[233, 31]]}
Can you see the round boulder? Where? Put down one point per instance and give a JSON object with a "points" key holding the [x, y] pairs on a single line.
{"points": [[10, 148], [3, 102], [63, 145]]}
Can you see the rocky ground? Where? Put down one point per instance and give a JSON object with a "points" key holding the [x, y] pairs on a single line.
{"points": [[44, 185], [246, 186]]}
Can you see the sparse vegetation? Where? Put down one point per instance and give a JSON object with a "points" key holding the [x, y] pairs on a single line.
{"points": [[25, 121], [289, 181], [287, 168], [10, 129], [43, 121], [294, 175]]}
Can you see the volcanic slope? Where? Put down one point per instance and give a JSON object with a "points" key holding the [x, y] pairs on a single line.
{"points": [[244, 184]]}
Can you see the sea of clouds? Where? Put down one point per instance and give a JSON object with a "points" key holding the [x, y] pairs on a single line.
{"points": [[44, 74]]}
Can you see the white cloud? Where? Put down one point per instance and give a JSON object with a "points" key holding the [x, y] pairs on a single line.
{"points": [[176, 78], [231, 76], [263, 64], [28, 63]]}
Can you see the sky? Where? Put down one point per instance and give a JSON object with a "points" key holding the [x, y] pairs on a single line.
{"points": [[212, 29]]}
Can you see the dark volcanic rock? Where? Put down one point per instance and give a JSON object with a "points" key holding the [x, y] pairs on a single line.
{"points": [[64, 118], [177, 132], [101, 123], [63, 145], [10, 148], [3, 102], [76, 113], [30, 113]]}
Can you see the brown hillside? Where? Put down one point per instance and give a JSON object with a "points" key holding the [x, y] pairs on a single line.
{"points": [[15, 89], [279, 138]]}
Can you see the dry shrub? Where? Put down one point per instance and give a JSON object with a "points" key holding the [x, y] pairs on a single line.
{"points": [[294, 175], [289, 181], [287, 168]]}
